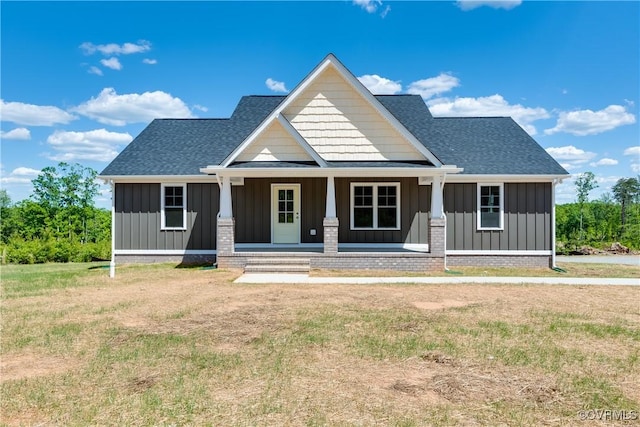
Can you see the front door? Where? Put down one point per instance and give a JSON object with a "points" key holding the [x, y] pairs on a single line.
{"points": [[285, 217]]}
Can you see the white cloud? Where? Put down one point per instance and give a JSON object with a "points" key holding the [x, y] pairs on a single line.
{"points": [[275, 85], [33, 115], [635, 162], [200, 107], [432, 86], [496, 4], [632, 151], [150, 61], [96, 145], [588, 122], [113, 63], [570, 157], [115, 49], [604, 162], [21, 175], [369, 5], [95, 70], [118, 110], [488, 106], [380, 85], [22, 134]]}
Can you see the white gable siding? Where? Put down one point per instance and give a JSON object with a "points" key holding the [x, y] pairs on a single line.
{"points": [[274, 144], [341, 125]]}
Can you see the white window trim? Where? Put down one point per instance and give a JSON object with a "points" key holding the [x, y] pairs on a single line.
{"points": [[163, 226], [478, 201], [375, 185]]}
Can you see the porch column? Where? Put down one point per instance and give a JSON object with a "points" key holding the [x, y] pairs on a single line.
{"points": [[225, 232], [438, 222], [330, 222]]}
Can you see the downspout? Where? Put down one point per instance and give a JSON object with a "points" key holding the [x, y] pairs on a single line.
{"points": [[553, 223], [112, 264]]}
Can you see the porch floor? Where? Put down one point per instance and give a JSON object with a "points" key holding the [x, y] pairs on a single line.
{"points": [[294, 249]]}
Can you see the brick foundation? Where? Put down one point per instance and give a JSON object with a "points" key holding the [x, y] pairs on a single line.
{"points": [[525, 261], [179, 259]]}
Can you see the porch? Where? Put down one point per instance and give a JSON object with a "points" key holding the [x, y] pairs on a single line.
{"points": [[320, 212], [304, 258]]}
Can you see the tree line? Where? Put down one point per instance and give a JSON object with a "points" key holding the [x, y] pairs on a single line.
{"points": [[614, 217], [58, 222]]}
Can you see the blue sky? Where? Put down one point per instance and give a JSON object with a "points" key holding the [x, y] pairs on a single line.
{"points": [[79, 80]]}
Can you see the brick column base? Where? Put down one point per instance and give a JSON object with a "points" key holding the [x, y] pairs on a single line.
{"points": [[437, 240], [225, 237], [330, 226]]}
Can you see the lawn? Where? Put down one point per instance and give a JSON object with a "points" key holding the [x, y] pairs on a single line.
{"points": [[165, 346]]}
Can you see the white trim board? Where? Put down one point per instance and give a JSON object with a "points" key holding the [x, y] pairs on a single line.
{"points": [[501, 252], [165, 252]]}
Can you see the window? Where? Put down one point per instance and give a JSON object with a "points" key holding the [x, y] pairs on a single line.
{"points": [[174, 207], [285, 206], [490, 206], [375, 206]]}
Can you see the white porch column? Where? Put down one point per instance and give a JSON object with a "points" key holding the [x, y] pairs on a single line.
{"points": [[225, 232], [438, 222], [330, 223], [226, 209], [437, 210], [330, 210]]}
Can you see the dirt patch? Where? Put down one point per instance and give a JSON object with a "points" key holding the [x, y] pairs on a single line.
{"points": [[18, 366]]}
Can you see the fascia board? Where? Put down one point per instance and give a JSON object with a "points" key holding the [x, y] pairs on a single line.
{"points": [[328, 171], [154, 178], [505, 178]]}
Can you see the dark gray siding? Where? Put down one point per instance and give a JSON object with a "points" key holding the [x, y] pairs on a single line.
{"points": [[414, 213], [252, 208], [137, 216], [527, 218]]}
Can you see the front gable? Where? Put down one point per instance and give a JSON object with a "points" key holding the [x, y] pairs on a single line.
{"points": [[340, 124], [332, 117], [274, 144]]}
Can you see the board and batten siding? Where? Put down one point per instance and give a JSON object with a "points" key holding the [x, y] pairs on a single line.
{"points": [[252, 208], [527, 218], [414, 213], [341, 125], [137, 216]]}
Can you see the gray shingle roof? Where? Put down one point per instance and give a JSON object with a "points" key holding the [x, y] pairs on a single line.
{"points": [[480, 145]]}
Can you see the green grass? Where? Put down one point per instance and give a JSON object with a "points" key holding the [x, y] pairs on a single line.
{"points": [[33, 280], [160, 346]]}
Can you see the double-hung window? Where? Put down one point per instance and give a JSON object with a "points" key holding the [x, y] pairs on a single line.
{"points": [[375, 206], [490, 206], [174, 207]]}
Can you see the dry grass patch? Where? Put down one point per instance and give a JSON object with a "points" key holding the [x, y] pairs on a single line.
{"points": [[160, 345], [570, 269]]}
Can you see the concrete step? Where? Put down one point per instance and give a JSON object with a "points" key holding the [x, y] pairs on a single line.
{"points": [[274, 268], [277, 265], [275, 260]]}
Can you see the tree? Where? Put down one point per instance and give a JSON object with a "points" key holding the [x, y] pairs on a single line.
{"points": [[584, 184], [626, 191], [67, 194]]}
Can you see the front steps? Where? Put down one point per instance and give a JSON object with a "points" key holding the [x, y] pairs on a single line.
{"points": [[277, 265]]}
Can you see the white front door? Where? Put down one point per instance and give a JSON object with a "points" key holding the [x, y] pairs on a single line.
{"points": [[285, 216]]}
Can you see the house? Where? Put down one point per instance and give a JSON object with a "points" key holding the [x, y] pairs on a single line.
{"points": [[335, 177]]}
